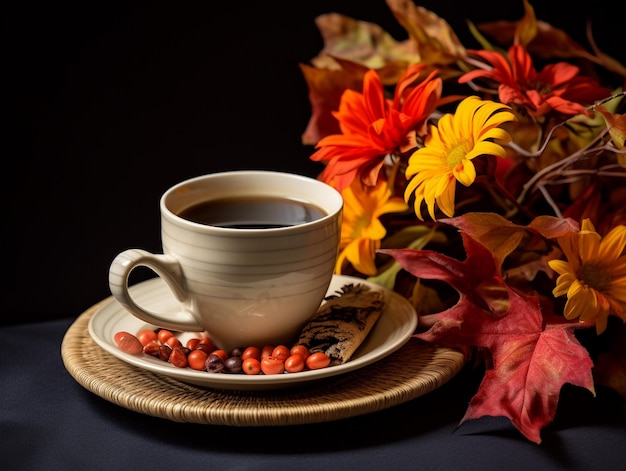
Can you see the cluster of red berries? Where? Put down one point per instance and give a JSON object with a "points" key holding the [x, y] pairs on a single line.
{"points": [[200, 353]]}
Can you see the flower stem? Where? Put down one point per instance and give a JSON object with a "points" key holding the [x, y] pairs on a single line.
{"points": [[570, 160], [504, 192]]}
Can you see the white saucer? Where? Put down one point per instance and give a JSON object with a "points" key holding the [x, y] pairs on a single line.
{"points": [[393, 329]]}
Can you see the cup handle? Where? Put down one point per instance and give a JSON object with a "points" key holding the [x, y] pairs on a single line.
{"points": [[168, 268]]}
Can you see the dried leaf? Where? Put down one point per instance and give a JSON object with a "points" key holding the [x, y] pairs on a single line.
{"points": [[529, 371], [501, 236], [435, 40], [550, 43], [531, 361], [325, 89], [616, 124], [361, 42], [526, 28]]}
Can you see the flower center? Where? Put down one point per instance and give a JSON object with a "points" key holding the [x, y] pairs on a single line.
{"points": [[538, 86], [456, 155], [594, 276]]}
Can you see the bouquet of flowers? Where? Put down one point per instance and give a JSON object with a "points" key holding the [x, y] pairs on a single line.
{"points": [[488, 187]]}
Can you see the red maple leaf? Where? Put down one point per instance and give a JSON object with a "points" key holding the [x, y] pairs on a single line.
{"points": [[533, 353]]}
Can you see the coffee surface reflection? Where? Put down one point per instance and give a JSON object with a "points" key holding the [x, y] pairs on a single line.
{"points": [[252, 213]]}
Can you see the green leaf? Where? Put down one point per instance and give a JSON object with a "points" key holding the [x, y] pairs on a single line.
{"points": [[412, 237]]}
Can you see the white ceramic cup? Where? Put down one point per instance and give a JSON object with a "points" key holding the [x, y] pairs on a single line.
{"points": [[243, 286]]}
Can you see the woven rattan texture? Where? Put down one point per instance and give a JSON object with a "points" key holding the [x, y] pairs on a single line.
{"points": [[416, 369]]}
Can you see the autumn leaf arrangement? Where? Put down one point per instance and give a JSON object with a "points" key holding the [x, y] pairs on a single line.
{"points": [[488, 187]]}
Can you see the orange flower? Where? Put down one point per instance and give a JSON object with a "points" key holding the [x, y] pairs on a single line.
{"points": [[373, 126], [558, 87]]}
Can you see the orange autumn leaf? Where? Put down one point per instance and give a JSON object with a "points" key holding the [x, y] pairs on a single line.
{"points": [[500, 236], [325, 89]]}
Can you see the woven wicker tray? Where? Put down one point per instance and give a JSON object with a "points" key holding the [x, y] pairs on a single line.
{"points": [[415, 369]]}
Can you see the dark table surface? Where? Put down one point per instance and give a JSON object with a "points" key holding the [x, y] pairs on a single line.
{"points": [[109, 104], [48, 421]]}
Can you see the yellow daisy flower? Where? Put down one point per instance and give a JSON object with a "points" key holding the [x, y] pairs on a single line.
{"points": [[361, 229], [448, 152], [594, 275]]}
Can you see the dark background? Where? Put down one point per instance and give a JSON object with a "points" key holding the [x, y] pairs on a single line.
{"points": [[109, 104]]}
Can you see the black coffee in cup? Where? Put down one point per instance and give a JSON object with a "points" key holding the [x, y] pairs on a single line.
{"points": [[248, 212]]}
